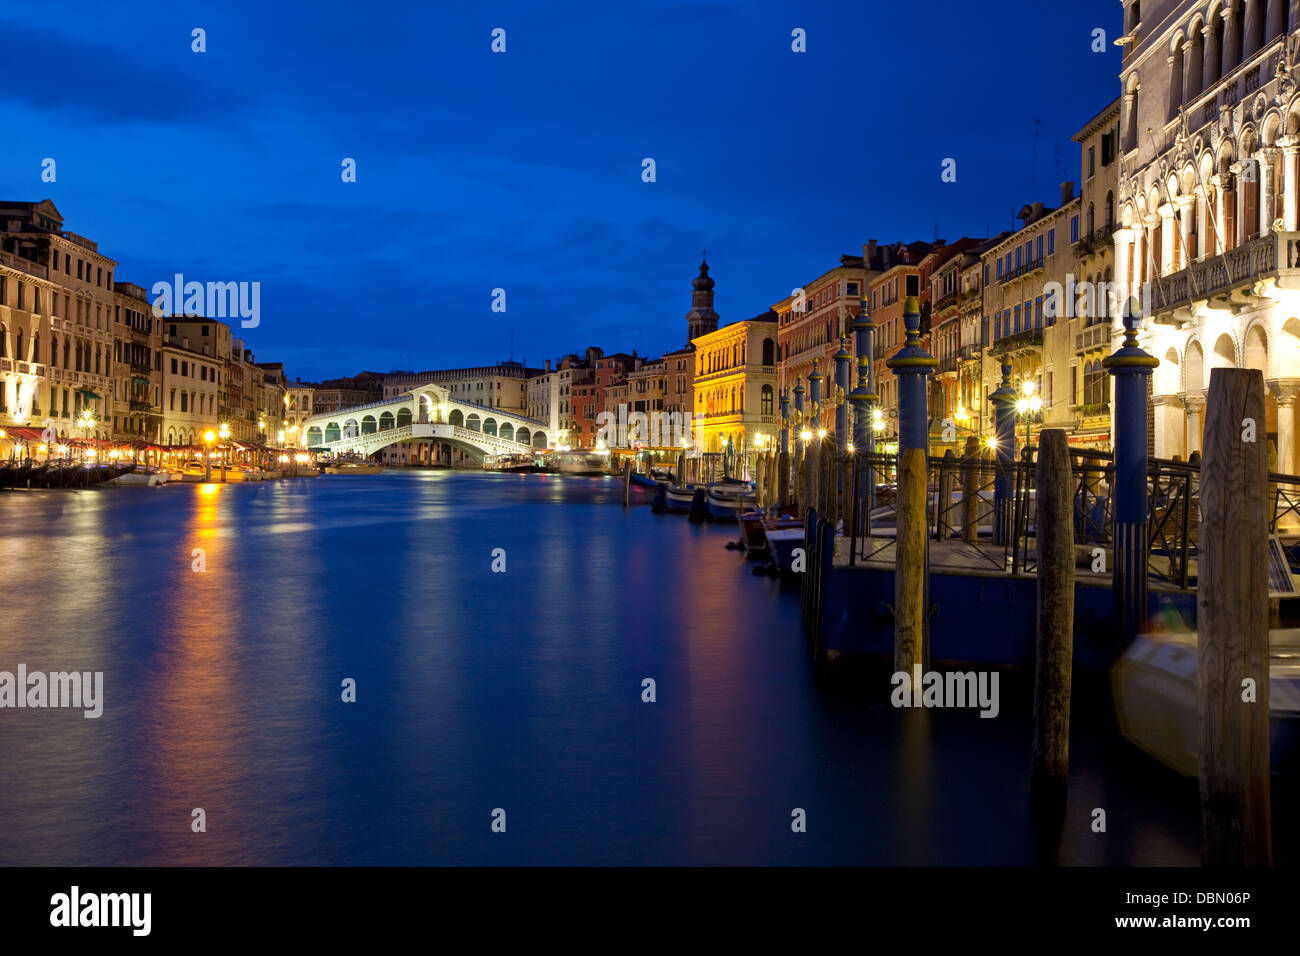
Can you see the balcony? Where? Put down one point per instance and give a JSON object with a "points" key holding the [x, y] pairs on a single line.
{"points": [[141, 368], [968, 353], [1226, 280], [946, 302], [137, 405], [1028, 339], [947, 365], [1021, 271]]}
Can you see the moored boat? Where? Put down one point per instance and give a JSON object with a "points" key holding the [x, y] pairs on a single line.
{"points": [[1154, 686], [353, 468], [678, 498], [728, 497]]}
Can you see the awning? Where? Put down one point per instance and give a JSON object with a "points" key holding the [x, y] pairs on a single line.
{"points": [[88, 393], [24, 434]]}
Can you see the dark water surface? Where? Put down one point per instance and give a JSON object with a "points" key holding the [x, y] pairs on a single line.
{"points": [[477, 690]]}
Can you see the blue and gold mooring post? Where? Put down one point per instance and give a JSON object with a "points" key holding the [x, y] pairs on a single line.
{"points": [[1130, 366], [800, 426], [864, 398], [912, 364], [1004, 437], [842, 361], [812, 469], [783, 454]]}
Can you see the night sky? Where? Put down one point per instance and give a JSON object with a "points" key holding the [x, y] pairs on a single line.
{"points": [[523, 170]]}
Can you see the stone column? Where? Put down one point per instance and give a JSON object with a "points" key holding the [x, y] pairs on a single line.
{"points": [[1186, 213], [1288, 187], [1285, 390], [1168, 256], [1168, 426], [1195, 402], [1220, 224], [1123, 281], [1264, 163]]}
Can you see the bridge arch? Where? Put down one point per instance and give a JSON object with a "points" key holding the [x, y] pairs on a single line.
{"points": [[313, 436], [403, 417], [472, 422], [386, 421], [368, 425], [350, 429], [332, 432], [456, 418], [507, 431], [523, 436], [539, 439], [489, 426]]}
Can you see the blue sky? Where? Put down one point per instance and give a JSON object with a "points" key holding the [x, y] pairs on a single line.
{"points": [[522, 170]]}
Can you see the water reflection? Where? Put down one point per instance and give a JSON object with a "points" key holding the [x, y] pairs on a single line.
{"points": [[477, 689]]}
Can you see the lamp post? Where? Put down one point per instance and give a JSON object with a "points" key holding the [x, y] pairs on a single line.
{"points": [[1028, 406], [86, 423], [208, 438], [224, 433]]}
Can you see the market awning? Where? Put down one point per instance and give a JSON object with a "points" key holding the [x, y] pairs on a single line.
{"points": [[24, 434]]}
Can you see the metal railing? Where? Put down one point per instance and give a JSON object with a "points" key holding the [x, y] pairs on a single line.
{"points": [[987, 531]]}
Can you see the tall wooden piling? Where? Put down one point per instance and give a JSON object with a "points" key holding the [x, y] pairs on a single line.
{"points": [[970, 489], [909, 567], [627, 481], [944, 521], [1054, 659], [1232, 625]]}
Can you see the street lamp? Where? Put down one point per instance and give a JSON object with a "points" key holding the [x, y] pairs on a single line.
{"points": [[86, 423], [224, 433], [208, 438], [1028, 406]]}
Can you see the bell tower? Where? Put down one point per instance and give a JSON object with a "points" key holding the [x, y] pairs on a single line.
{"points": [[701, 318]]}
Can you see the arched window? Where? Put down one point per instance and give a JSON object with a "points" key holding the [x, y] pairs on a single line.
{"points": [[766, 400], [36, 346], [19, 354], [769, 352], [1176, 79]]}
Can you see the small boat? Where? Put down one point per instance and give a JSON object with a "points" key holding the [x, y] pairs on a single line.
{"points": [[678, 498], [141, 475], [591, 464], [728, 497], [753, 539], [1154, 686], [353, 467], [645, 481]]}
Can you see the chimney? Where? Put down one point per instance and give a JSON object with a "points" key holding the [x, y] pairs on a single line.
{"points": [[548, 365], [1067, 193]]}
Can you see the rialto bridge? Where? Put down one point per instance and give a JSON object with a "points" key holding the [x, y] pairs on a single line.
{"points": [[425, 414]]}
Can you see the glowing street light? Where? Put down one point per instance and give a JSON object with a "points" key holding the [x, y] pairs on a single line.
{"points": [[1028, 406], [208, 438]]}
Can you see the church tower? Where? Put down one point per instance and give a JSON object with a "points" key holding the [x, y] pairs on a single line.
{"points": [[701, 318]]}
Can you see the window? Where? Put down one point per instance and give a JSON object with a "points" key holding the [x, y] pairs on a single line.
{"points": [[1019, 260], [986, 274], [1092, 161], [1015, 325], [1038, 312], [1074, 228], [999, 268], [173, 366], [1051, 242], [1039, 247]]}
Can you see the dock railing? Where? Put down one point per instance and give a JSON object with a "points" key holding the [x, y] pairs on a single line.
{"points": [[970, 529]]}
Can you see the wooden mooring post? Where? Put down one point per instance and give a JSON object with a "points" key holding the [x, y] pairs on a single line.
{"points": [[970, 484], [627, 481], [1054, 657], [912, 364], [1232, 625]]}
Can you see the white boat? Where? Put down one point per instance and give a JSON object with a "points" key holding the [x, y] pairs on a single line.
{"points": [[727, 498], [678, 498], [150, 477], [1154, 686], [580, 463], [353, 468]]}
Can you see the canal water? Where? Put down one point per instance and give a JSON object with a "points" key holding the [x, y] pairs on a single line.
{"points": [[479, 690]]}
